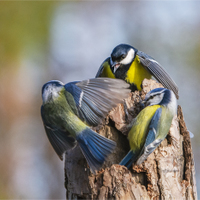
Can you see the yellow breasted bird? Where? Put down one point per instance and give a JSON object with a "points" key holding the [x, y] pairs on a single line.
{"points": [[68, 111], [133, 66], [151, 125]]}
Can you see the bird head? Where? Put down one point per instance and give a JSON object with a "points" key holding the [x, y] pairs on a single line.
{"points": [[122, 54], [161, 96], [50, 90]]}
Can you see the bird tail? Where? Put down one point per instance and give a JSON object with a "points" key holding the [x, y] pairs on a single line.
{"points": [[95, 148], [129, 159]]}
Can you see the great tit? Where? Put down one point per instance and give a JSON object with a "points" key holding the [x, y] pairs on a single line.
{"points": [[133, 66], [68, 111], [151, 125]]}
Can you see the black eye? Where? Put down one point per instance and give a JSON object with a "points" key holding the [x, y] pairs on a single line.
{"points": [[151, 97], [123, 56]]}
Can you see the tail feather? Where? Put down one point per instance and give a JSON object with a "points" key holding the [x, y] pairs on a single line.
{"points": [[129, 159], [95, 148], [91, 160], [102, 143]]}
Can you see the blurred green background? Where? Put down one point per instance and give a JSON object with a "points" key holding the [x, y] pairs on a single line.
{"points": [[40, 41]]}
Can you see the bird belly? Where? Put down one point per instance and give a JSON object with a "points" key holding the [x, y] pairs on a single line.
{"points": [[139, 130], [137, 73]]}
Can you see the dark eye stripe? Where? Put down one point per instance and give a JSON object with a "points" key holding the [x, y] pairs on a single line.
{"points": [[153, 95]]}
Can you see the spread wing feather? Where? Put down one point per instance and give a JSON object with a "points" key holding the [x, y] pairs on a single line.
{"points": [[94, 98], [158, 72]]}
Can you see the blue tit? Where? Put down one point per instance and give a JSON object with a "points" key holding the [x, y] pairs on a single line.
{"points": [[151, 125], [133, 66], [68, 111]]}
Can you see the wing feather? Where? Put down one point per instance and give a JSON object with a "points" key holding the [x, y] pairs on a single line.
{"points": [[94, 98], [59, 139], [151, 142], [158, 72]]}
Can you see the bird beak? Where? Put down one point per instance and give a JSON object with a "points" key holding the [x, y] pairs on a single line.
{"points": [[142, 104], [115, 66]]}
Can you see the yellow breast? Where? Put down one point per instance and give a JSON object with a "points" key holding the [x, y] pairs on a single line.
{"points": [[137, 73], [138, 132]]}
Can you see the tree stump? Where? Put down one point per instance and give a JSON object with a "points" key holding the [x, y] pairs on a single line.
{"points": [[168, 173]]}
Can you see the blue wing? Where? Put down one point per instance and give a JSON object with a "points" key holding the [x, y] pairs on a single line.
{"points": [[94, 98], [151, 142], [129, 159], [59, 139]]}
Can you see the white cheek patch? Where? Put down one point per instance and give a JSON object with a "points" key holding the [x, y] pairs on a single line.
{"points": [[129, 57], [55, 93], [156, 99]]}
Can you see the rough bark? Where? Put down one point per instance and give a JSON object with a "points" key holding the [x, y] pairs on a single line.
{"points": [[168, 173]]}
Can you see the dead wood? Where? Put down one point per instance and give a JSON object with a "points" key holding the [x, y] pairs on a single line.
{"points": [[168, 173]]}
